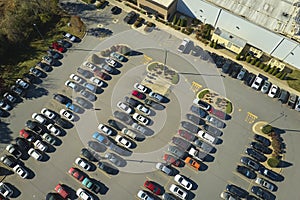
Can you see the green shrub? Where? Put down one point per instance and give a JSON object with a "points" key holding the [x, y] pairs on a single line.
{"points": [[283, 76], [262, 65], [267, 129], [278, 75], [211, 43], [271, 70], [238, 57], [257, 64], [174, 19], [253, 61], [228, 108], [273, 162], [202, 93], [276, 71], [266, 68], [248, 59], [178, 22]]}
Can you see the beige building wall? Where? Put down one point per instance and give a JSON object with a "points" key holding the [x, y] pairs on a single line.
{"points": [[227, 44], [162, 11]]}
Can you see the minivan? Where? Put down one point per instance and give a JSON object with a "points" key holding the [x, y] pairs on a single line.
{"points": [[207, 137]]}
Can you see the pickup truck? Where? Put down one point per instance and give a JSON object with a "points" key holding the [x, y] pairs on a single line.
{"points": [[197, 154], [207, 137]]}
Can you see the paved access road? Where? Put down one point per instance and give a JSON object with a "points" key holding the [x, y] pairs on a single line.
{"points": [[125, 185]]}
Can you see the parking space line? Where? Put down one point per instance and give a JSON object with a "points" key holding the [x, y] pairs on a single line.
{"points": [[108, 176], [241, 176]]}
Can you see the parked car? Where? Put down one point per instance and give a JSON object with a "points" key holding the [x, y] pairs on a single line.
{"points": [[61, 190], [145, 110], [4, 105], [106, 68], [62, 98], [258, 81], [88, 155], [73, 107], [269, 174], [207, 137], [258, 146], [218, 113], [143, 195], [297, 106], [265, 183], [88, 95], [64, 43], [45, 66], [13, 150], [117, 55], [190, 127], [164, 168], [54, 129], [266, 87], [9, 97], [106, 168], [141, 119], [139, 128], [203, 145], [48, 60], [101, 75], [214, 121], [129, 133], [5, 190], [9, 161], [228, 196], [77, 78], [113, 159], [237, 191], [105, 129], [40, 145], [131, 101], [123, 117], [185, 145], [39, 118], [92, 185], [183, 181], [179, 192], [17, 90], [192, 162], [235, 70], [90, 65], [248, 80], [35, 154], [227, 67], [67, 114], [48, 113], [69, 36], [49, 138], [85, 73], [256, 155], [54, 54], [156, 96], [101, 138], [77, 174], [242, 74], [141, 88], [250, 163], [82, 102], [23, 84], [29, 136], [265, 141], [283, 96], [124, 107], [246, 172], [84, 195], [111, 62], [115, 10], [202, 104], [292, 101], [123, 141], [116, 124], [172, 160], [187, 135], [196, 120], [35, 126], [138, 94], [262, 193], [84, 164], [273, 92], [182, 47], [176, 151], [21, 171], [36, 72], [199, 111], [23, 144], [98, 82], [74, 86], [153, 187], [58, 47]]}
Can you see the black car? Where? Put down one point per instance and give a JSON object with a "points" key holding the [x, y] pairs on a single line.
{"points": [[85, 73], [8, 161], [35, 126], [235, 70], [123, 117], [36, 72], [61, 122], [44, 66], [190, 127], [237, 191], [262, 193], [199, 111], [250, 163], [196, 50], [130, 17], [29, 78], [246, 172], [227, 67], [106, 168], [248, 80], [292, 101], [88, 155], [256, 155], [133, 102], [23, 144], [115, 124], [195, 119], [54, 54], [251, 197], [213, 130], [260, 147], [17, 90], [153, 104], [116, 10], [262, 139], [270, 174], [64, 43], [61, 98]]}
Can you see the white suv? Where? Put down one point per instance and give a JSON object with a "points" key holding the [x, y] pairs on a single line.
{"points": [[179, 192], [183, 45], [257, 83], [39, 118], [207, 137]]}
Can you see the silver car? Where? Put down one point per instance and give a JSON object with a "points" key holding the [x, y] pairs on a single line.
{"points": [[266, 87]]}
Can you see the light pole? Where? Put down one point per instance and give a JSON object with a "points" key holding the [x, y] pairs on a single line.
{"points": [[282, 114], [38, 31], [165, 61]]}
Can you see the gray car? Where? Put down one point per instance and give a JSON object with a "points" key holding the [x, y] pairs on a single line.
{"points": [[266, 87], [242, 74], [214, 121], [113, 159], [203, 145], [250, 163], [176, 151]]}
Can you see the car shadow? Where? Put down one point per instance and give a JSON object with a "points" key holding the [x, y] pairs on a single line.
{"points": [[148, 132], [5, 171], [219, 141], [209, 158], [5, 114], [36, 93], [58, 141], [104, 189], [139, 136], [203, 167], [30, 172], [158, 106], [51, 149], [116, 71], [99, 91], [16, 192], [133, 53], [45, 158]]}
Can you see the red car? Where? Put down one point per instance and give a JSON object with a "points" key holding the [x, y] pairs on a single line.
{"points": [[62, 191], [187, 135], [218, 113], [76, 174], [102, 75], [27, 135], [171, 159], [152, 187], [138, 94], [58, 47]]}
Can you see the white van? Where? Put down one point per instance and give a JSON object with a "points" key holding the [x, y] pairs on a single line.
{"points": [[128, 132], [205, 136], [35, 154]]}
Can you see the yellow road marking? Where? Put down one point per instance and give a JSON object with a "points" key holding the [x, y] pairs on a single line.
{"points": [[250, 118], [195, 86]]}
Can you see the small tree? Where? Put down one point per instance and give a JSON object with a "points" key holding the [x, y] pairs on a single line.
{"points": [[248, 59], [273, 162], [178, 22], [238, 56], [262, 65], [253, 61], [276, 71], [278, 75], [257, 64], [267, 67], [211, 43], [267, 129], [271, 70], [283, 76], [174, 19], [215, 44]]}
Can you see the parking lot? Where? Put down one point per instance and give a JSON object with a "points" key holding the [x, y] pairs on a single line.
{"points": [[140, 166]]}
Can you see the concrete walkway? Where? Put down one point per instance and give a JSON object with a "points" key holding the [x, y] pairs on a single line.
{"points": [[281, 83]]}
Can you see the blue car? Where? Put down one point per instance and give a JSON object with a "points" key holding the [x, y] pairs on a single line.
{"points": [[73, 107]]}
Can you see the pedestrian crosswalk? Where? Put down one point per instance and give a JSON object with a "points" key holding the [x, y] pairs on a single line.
{"points": [[250, 118]]}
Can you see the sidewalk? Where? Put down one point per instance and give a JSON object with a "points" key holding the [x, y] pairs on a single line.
{"points": [[223, 52]]}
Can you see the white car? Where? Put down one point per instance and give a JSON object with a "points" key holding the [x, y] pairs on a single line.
{"points": [[207, 137], [83, 164], [183, 45], [273, 91], [139, 128], [77, 79], [22, 83], [257, 83], [90, 65], [20, 171], [40, 145], [140, 118], [183, 182], [5, 190], [143, 195], [73, 85], [228, 196], [67, 114], [124, 107], [111, 62], [48, 113], [140, 87], [39, 118], [164, 168], [97, 81], [84, 195], [105, 129], [179, 192], [71, 37], [156, 96], [122, 140], [35, 154], [266, 184], [144, 109], [54, 129]]}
